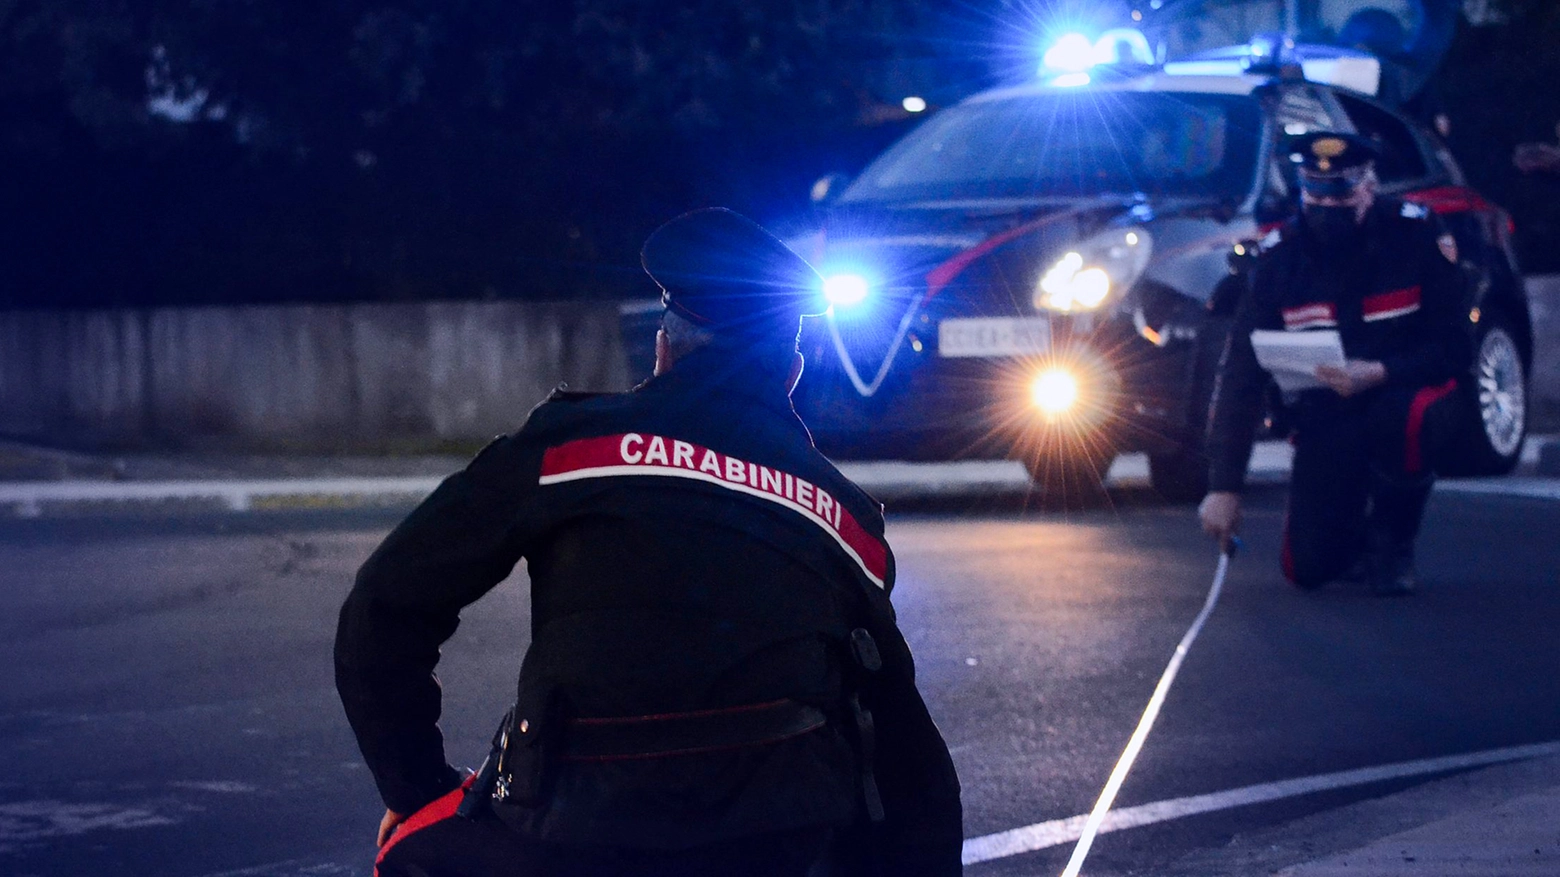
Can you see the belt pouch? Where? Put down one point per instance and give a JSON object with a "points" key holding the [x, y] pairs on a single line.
{"points": [[530, 755]]}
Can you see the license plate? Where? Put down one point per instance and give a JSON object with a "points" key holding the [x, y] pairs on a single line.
{"points": [[993, 336]]}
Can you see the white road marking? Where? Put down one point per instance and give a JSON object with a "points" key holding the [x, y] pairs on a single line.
{"points": [[288, 868], [1118, 776], [1043, 835], [1534, 488]]}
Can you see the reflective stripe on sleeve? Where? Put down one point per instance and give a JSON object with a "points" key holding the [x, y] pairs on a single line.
{"points": [[1312, 316], [1387, 305]]}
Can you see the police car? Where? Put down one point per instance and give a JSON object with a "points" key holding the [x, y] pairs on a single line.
{"points": [[1044, 271]]}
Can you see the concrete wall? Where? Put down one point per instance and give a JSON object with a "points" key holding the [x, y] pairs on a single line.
{"points": [[359, 377], [316, 377]]}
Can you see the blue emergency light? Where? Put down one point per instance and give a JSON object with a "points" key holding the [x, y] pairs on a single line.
{"points": [[846, 290], [1069, 60]]}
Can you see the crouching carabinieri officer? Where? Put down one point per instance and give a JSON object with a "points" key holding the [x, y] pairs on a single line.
{"points": [[715, 683], [1382, 274]]}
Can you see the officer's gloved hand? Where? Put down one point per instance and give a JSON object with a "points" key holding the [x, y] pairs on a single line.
{"points": [[1220, 516], [1355, 376]]}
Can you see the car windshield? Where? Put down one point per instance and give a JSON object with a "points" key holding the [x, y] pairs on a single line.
{"points": [[1069, 144]]}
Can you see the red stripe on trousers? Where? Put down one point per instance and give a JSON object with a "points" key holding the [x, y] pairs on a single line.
{"points": [[1423, 399], [434, 811]]}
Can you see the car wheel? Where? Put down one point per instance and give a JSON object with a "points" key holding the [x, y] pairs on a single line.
{"points": [[1500, 388], [1179, 478]]}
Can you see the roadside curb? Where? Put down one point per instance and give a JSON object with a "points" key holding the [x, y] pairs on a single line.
{"points": [[1549, 458], [889, 481], [41, 499], [886, 480]]}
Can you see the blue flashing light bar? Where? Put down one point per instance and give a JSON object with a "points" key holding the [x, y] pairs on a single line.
{"points": [[1073, 55]]}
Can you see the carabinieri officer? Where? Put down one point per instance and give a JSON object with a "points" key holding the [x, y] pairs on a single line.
{"points": [[714, 682], [1382, 274]]}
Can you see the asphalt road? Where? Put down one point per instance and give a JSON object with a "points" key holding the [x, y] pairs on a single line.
{"points": [[168, 706]]}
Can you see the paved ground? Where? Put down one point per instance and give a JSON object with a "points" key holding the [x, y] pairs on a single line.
{"points": [[172, 713]]}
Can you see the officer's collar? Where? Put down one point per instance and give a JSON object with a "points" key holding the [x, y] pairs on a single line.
{"points": [[728, 369]]}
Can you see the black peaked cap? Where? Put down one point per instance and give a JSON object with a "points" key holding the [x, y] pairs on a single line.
{"points": [[725, 273], [1325, 153]]}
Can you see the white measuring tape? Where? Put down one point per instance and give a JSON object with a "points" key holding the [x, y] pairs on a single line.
{"points": [[1150, 713]]}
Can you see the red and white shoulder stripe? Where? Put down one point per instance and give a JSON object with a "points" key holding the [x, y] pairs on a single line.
{"points": [[1387, 305], [1318, 315], [635, 454]]}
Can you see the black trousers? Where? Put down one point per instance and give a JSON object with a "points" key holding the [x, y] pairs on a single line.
{"points": [[435, 842], [1362, 472]]}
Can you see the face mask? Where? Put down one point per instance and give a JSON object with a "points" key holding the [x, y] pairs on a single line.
{"points": [[1332, 225]]}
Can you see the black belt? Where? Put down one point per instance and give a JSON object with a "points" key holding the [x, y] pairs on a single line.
{"points": [[657, 736]]}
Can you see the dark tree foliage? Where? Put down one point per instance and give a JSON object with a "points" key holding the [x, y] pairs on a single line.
{"points": [[361, 149], [399, 149]]}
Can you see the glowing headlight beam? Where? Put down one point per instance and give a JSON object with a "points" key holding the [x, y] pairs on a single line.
{"points": [[1089, 288], [1054, 391], [1069, 286], [1082, 279]]}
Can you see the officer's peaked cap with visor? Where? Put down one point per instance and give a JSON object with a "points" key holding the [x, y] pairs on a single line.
{"points": [[725, 273], [1332, 163]]}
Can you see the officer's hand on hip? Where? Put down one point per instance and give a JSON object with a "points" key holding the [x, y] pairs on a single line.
{"points": [[387, 825], [1355, 376], [1220, 515]]}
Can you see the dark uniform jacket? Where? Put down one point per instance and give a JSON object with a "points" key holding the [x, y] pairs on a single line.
{"points": [[688, 549], [1397, 299]]}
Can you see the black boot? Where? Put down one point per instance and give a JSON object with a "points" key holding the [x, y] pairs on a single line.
{"points": [[1397, 504], [1393, 573]]}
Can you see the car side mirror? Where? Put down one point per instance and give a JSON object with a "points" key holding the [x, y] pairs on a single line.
{"points": [[1241, 259], [828, 187]]}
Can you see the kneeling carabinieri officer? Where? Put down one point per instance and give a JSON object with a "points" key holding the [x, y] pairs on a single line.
{"points": [[1382, 274], [715, 683]]}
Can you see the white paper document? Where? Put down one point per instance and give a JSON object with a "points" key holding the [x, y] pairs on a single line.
{"points": [[1292, 357]]}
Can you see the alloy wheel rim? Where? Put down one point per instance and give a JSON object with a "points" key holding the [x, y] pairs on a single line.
{"points": [[1502, 392]]}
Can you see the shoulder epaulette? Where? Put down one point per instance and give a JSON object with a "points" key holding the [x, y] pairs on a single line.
{"points": [[562, 393]]}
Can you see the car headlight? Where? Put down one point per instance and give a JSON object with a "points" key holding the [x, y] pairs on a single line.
{"points": [[846, 290], [1083, 278], [1054, 391]]}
